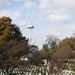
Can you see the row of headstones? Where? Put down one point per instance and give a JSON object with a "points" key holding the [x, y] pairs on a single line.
{"points": [[67, 72], [34, 70], [31, 70]]}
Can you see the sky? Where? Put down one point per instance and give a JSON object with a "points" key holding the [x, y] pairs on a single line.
{"points": [[55, 17]]}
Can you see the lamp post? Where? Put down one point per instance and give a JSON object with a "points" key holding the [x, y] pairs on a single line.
{"points": [[30, 27]]}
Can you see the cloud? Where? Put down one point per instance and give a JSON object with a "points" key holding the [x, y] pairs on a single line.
{"points": [[47, 4], [10, 13], [44, 4], [58, 17], [65, 3], [29, 4], [16, 0], [56, 10], [4, 2], [14, 15], [41, 18], [62, 31], [56, 6]]}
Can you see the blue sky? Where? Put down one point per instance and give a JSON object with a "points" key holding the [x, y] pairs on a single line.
{"points": [[55, 17]]}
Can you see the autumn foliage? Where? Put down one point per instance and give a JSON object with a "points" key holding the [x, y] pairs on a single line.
{"points": [[59, 53], [13, 45]]}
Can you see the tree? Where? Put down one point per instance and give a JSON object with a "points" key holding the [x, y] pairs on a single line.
{"points": [[34, 47], [9, 31], [10, 53], [45, 52], [60, 55], [13, 45], [67, 43], [52, 41], [50, 46]]}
